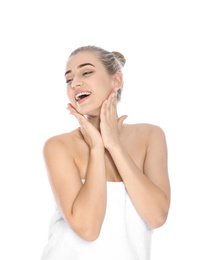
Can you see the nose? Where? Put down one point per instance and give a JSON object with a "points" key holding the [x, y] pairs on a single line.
{"points": [[76, 83]]}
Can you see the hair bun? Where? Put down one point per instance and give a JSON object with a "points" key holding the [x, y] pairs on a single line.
{"points": [[120, 57]]}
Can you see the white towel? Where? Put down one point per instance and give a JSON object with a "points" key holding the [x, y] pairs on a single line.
{"points": [[124, 235]]}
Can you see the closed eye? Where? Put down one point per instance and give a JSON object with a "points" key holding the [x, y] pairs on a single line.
{"points": [[87, 73], [68, 81]]}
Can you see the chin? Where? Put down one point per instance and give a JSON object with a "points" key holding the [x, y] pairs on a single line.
{"points": [[89, 112]]}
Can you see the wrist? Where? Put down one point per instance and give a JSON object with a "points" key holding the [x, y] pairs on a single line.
{"points": [[114, 147], [97, 147]]}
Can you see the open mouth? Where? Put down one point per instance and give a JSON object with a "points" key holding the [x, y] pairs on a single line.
{"points": [[82, 95]]}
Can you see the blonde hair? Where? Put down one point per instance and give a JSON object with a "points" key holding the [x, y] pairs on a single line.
{"points": [[113, 61]]}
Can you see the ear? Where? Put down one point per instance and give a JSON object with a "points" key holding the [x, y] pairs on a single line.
{"points": [[117, 80]]}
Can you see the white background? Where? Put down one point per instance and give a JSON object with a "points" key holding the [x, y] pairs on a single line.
{"points": [[160, 40]]}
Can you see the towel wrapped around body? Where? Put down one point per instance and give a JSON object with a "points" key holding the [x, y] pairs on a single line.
{"points": [[124, 235]]}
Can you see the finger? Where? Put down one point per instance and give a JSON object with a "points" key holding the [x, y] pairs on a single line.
{"points": [[121, 119], [71, 108], [81, 119], [103, 109], [82, 123], [111, 103], [113, 106]]}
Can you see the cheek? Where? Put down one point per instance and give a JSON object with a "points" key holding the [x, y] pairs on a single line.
{"points": [[68, 92], [105, 83], [107, 87], [70, 96]]}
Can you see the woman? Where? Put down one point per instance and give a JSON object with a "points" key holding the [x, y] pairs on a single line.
{"points": [[110, 179]]}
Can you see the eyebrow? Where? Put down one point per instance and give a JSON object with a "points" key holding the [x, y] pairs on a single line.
{"points": [[80, 66]]}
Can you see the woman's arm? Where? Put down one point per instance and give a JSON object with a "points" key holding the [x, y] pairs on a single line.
{"points": [[82, 205], [149, 190]]}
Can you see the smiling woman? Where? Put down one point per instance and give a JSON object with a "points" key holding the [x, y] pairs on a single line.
{"points": [[109, 179]]}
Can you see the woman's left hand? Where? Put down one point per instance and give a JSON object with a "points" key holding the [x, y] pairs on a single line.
{"points": [[110, 123]]}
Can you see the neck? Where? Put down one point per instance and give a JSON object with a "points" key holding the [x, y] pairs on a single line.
{"points": [[95, 121]]}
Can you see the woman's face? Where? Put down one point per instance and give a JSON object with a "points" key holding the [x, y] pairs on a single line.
{"points": [[88, 83]]}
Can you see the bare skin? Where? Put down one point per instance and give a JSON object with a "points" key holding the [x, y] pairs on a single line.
{"points": [[105, 149]]}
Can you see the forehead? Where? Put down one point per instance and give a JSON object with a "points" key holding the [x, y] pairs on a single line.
{"points": [[81, 58]]}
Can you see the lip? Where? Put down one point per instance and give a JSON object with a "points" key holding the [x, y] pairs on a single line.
{"points": [[80, 91], [83, 99]]}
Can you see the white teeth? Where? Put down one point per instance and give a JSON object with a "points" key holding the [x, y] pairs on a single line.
{"points": [[86, 93]]}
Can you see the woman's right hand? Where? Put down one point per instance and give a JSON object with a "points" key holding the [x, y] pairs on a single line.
{"points": [[91, 135]]}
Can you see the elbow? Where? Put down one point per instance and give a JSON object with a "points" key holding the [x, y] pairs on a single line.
{"points": [[88, 230], [89, 234], [160, 215], [158, 221]]}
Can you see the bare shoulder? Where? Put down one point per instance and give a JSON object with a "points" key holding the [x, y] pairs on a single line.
{"points": [[146, 131], [153, 132], [60, 158], [146, 127], [64, 142], [152, 138]]}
